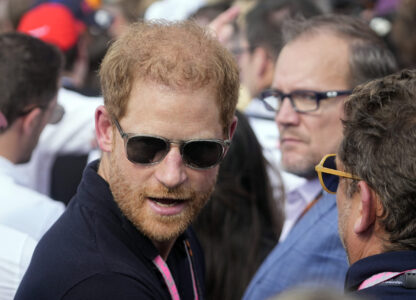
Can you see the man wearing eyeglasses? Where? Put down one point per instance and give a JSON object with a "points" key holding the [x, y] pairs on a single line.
{"points": [[323, 59], [374, 178], [28, 87], [259, 46], [170, 93]]}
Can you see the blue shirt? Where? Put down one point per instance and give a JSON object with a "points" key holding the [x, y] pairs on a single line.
{"points": [[94, 252], [312, 254]]}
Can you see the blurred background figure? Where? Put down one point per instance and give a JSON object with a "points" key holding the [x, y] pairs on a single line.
{"points": [[258, 46], [17, 8], [5, 23], [55, 24], [240, 224], [206, 13], [31, 70], [403, 35], [57, 163]]}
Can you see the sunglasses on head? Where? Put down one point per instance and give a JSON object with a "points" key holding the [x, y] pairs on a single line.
{"points": [[329, 175], [150, 149]]}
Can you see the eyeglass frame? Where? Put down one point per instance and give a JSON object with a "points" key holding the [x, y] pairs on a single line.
{"points": [[319, 168], [181, 143], [319, 96]]}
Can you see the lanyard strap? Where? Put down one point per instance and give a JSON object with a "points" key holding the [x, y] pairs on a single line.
{"points": [[380, 278], [309, 206], [167, 275]]}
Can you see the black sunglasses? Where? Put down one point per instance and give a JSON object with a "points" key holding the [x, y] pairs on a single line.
{"points": [[329, 175], [196, 154]]}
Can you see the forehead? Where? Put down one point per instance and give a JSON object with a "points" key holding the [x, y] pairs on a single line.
{"points": [[316, 62], [183, 114]]}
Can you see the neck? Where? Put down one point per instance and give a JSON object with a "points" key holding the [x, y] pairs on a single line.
{"points": [[368, 244], [164, 247], [9, 145]]}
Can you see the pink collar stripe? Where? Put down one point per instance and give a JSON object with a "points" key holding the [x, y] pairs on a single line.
{"points": [[380, 278]]}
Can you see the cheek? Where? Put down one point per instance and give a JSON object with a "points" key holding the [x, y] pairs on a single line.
{"points": [[203, 181], [328, 134]]}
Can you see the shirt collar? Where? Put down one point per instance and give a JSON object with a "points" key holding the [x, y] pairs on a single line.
{"points": [[309, 190], [395, 261]]}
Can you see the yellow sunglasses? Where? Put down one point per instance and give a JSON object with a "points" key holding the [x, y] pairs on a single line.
{"points": [[329, 175]]}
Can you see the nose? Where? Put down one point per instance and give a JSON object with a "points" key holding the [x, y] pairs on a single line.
{"points": [[287, 116], [171, 171]]}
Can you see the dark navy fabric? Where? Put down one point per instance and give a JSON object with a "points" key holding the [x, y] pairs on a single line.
{"points": [[363, 269], [94, 252]]}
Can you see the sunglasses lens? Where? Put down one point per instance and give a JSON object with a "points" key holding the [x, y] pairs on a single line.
{"points": [[202, 154], [146, 150], [330, 181]]}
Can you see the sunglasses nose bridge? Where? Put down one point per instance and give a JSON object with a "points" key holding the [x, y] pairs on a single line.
{"points": [[177, 144]]}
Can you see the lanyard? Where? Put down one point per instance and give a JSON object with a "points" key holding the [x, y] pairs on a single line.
{"points": [[167, 275], [309, 206], [380, 278]]}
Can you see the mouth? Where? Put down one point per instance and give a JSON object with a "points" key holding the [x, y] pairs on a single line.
{"points": [[167, 206], [168, 202], [289, 140]]}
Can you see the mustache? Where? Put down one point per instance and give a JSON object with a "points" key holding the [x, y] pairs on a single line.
{"points": [[292, 133], [164, 192]]}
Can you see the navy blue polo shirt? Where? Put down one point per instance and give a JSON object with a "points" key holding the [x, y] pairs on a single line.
{"points": [[395, 261], [94, 252]]}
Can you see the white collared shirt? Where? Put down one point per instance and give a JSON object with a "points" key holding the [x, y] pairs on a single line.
{"points": [[15, 253], [23, 209], [296, 202]]}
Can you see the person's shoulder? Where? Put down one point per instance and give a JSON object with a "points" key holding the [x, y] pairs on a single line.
{"points": [[27, 210], [41, 205], [15, 254]]}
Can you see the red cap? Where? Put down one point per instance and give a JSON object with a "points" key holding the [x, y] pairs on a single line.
{"points": [[52, 23]]}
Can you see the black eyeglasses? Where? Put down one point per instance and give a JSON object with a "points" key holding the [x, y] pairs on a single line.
{"points": [[196, 154], [329, 175], [301, 101]]}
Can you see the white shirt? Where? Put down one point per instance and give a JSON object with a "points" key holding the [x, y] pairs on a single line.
{"points": [[23, 209], [15, 253], [75, 133], [296, 202]]}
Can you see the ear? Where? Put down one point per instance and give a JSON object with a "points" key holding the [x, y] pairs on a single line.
{"points": [[3, 121], [103, 129], [233, 127], [30, 121], [367, 208]]}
